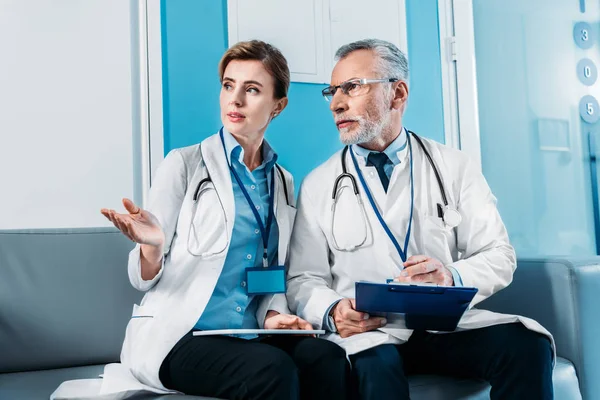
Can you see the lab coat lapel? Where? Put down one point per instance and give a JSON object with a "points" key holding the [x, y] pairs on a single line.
{"points": [[218, 168], [279, 193], [285, 215], [281, 217]]}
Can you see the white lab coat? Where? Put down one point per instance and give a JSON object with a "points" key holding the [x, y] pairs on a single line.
{"points": [[178, 295], [478, 248]]}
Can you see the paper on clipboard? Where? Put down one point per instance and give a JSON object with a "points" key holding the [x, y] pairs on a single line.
{"points": [[258, 332]]}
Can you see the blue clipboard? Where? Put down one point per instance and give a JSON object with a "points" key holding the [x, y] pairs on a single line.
{"points": [[433, 308]]}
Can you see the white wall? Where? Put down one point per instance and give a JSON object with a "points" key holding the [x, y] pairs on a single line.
{"points": [[69, 114], [309, 32]]}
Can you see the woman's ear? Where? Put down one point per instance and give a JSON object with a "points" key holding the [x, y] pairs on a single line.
{"points": [[279, 107]]}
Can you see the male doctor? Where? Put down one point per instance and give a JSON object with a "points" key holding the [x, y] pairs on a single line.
{"points": [[338, 239]]}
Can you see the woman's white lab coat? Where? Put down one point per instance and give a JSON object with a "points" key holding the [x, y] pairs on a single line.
{"points": [[478, 248], [175, 299]]}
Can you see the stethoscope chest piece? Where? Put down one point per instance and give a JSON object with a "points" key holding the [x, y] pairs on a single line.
{"points": [[451, 217]]}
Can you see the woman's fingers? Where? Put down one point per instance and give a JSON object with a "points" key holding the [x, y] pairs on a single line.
{"points": [[289, 321], [114, 221], [133, 231], [108, 214], [126, 228], [117, 221], [304, 325], [131, 207], [121, 222]]}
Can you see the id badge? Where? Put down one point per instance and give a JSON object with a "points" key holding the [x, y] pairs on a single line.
{"points": [[263, 280]]}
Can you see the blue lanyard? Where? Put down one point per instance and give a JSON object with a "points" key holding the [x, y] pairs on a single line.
{"points": [[264, 231], [402, 252]]}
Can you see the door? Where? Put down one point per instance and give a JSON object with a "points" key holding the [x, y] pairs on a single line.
{"points": [[533, 115]]}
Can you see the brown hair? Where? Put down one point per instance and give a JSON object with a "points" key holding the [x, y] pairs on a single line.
{"points": [[271, 58]]}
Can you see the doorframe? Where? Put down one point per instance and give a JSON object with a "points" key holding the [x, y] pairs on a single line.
{"points": [[448, 67], [150, 84], [459, 76]]}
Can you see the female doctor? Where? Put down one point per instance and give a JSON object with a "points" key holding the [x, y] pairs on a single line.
{"points": [[210, 247]]}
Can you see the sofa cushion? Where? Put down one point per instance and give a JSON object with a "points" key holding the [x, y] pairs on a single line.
{"points": [[40, 384], [562, 295], [34, 385], [65, 297], [432, 387]]}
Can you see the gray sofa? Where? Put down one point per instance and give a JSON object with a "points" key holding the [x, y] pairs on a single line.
{"points": [[65, 300]]}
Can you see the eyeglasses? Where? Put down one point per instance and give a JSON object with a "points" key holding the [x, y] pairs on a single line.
{"points": [[353, 87]]}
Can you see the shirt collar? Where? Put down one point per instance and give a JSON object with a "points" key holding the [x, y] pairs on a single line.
{"points": [[395, 150], [235, 151]]}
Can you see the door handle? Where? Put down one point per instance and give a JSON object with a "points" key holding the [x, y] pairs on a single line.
{"points": [[594, 182]]}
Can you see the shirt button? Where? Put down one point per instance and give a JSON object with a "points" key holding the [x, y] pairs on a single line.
{"points": [[243, 283], [238, 309], [252, 187], [256, 231], [258, 207], [249, 256]]}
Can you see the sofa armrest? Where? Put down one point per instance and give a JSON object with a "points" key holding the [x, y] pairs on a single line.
{"points": [[562, 294]]}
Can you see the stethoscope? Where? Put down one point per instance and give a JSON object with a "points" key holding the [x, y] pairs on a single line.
{"points": [[195, 200], [208, 179], [450, 215]]}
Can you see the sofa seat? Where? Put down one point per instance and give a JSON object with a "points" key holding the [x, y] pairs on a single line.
{"points": [[40, 384], [433, 387]]}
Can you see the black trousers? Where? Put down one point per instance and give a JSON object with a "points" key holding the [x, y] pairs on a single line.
{"points": [[273, 367], [517, 362]]}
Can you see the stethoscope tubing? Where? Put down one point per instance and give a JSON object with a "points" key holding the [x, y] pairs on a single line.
{"points": [[346, 174]]}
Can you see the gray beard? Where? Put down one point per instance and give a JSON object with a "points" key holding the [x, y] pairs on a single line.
{"points": [[367, 131]]}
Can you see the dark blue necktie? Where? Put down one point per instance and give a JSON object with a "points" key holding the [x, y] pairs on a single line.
{"points": [[378, 160]]}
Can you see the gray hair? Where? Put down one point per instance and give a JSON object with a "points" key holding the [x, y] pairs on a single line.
{"points": [[393, 61]]}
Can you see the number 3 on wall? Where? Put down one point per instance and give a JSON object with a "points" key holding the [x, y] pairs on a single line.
{"points": [[583, 35]]}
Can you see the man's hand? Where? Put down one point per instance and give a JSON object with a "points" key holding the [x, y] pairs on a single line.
{"points": [[423, 269], [275, 320], [349, 322]]}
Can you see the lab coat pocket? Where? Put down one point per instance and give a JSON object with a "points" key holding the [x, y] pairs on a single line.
{"points": [[141, 312], [436, 237], [207, 234], [141, 320]]}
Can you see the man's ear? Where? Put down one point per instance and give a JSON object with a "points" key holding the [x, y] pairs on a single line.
{"points": [[400, 95]]}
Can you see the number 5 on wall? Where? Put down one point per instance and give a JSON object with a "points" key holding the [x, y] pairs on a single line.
{"points": [[588, 109]]}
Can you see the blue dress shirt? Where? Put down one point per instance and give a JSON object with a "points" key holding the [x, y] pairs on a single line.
{"points": [[230, 306]]}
